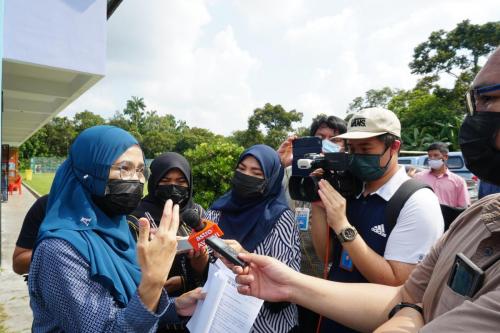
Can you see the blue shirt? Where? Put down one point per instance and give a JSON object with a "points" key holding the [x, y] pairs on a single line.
{"points": [[486, 188], [64, 299]]}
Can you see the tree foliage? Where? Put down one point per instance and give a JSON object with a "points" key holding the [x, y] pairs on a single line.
{"points": [[270, 125], [459, 49], [372, 98], [430, 112], [213, 164]]}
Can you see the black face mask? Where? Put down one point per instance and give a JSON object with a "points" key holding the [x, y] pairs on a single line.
{"points": [[178, 194], [247, 187], [477, 141], [122, 197]]}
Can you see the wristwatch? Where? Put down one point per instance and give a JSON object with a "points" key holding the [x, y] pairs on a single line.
{"points": [[347, 234], [401, 305]]}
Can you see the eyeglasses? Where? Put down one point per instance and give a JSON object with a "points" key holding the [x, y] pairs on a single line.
{"points": [[128, 171], [473, 93]]}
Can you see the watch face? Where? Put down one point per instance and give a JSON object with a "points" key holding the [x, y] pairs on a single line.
{"points": [[349, 233]]}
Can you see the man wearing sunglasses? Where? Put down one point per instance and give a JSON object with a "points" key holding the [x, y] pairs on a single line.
{"points": [[457, 286]]}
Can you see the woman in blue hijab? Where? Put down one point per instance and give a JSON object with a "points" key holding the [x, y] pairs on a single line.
{"points": [[87, 275], [255, 217]]}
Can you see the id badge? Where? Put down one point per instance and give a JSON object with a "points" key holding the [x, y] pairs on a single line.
{"points": [[345, 261], [302, 218]]}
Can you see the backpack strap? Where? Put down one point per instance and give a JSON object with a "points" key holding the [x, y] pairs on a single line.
{"points": [[398, 200]]}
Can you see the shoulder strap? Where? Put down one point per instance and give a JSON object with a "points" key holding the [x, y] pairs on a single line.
{"points": [[398, 200]]}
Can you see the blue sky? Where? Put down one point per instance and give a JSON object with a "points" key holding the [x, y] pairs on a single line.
{"points": [[211, 63]]}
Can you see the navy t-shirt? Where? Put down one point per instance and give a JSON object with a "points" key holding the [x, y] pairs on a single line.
{"points": [[367, 215]]}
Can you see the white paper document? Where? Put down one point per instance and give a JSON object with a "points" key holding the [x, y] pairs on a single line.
{"points": [[224, 310]]}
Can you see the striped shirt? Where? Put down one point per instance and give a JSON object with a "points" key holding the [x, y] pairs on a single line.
{"points": [[282, 243]]}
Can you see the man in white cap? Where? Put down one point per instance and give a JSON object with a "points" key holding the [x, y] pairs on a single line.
{"points": [[370, 248]]}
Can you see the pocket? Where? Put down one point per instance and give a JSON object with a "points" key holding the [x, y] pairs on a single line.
{"points": [[449, 300]]}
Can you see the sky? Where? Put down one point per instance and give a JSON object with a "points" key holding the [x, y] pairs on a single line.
{"points": [[211, 63]]}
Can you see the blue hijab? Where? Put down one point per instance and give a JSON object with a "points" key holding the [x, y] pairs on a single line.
{"points": [[105, 242], [250, 221]]}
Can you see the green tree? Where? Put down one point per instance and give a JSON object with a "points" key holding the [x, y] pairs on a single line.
{"points": [[135, 111], [189, 138], [270, 125], [372, 98], [459, 49], [86, 119], [213, 166]]}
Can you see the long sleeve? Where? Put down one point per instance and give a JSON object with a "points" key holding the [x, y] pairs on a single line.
{"points": [[64, 298]]}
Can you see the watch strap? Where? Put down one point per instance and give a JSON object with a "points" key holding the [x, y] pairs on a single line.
{"points": [[402, 305]]}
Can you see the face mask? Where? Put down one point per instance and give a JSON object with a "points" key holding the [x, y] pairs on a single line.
{"points": [[477, 141], [178, 194], [329, 147], [367, 166], [121, 198], [436, 164], [247, 187]]}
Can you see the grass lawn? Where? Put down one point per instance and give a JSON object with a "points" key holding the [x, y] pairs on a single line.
{"points": [[40, 182]]}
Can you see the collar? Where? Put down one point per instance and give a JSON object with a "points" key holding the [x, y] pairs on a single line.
{"points": [[446, 173], [387, 190]]}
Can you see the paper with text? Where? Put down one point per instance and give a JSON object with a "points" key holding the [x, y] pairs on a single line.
{"points": [[224, 309]]}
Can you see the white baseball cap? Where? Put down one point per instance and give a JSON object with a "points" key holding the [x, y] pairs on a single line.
{"points": [[372, 122]]}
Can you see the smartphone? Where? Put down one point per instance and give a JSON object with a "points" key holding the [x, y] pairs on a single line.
{"points": [[302, 147], [219, 246], [465, 278], [183, 245]]}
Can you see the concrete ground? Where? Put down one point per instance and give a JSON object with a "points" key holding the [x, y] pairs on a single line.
{"points": [[13, 290]]}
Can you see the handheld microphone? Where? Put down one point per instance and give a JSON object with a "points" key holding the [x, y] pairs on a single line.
{"points": [[203, 229]]}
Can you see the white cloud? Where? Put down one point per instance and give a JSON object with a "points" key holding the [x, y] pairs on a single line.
{"points": [[212, 62]]}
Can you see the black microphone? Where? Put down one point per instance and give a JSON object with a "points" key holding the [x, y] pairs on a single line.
{"points": [[192, 218]]}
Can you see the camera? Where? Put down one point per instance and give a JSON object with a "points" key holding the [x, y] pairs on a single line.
{"points": [[335, 170]]}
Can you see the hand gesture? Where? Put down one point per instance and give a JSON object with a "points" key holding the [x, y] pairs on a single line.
{"points": [[156, 256], [285, 151], [265, 278]]}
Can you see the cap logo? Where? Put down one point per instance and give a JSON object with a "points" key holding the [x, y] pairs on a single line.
{"points": [[358, 122]]}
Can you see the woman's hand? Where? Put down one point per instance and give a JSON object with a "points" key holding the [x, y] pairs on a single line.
{"points": [[156, 256], [198, 260], [186, 303]]}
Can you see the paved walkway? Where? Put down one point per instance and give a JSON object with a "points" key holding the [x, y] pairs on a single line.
{"points": [[13, 290]]}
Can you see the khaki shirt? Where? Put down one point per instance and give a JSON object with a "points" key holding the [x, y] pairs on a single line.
{"points": [[476, 233]]}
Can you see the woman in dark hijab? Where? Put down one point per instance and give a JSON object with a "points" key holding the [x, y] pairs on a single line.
{"points": [[171, 178], [255, 217], [87, 274]]}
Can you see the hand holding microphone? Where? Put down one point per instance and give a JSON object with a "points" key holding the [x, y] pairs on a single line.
{"points": [[207, 232]]}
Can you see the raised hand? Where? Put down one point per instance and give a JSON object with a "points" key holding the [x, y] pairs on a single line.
{"points": [[156, 256]]}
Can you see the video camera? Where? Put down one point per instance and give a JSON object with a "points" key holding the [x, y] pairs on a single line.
{"points": [[335, 170]]}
